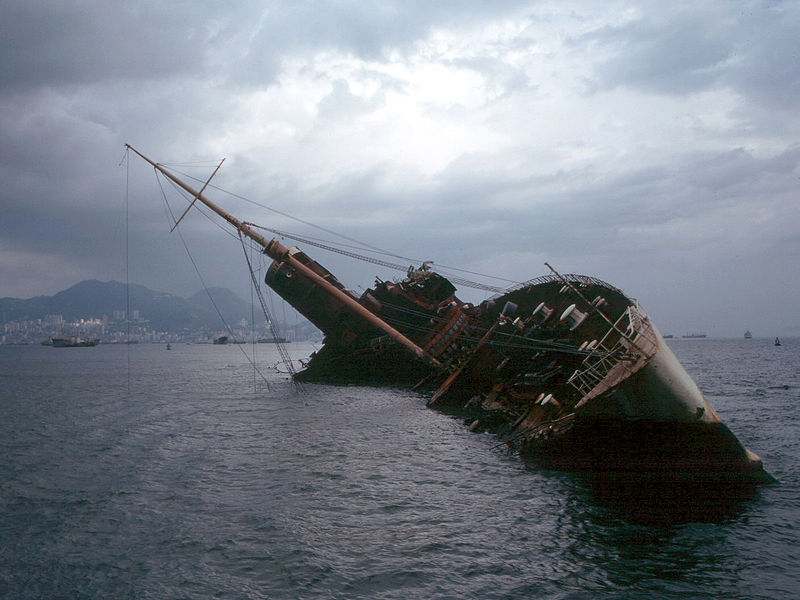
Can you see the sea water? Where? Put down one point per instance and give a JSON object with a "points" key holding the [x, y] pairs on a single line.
{"points": [[142, 472]]}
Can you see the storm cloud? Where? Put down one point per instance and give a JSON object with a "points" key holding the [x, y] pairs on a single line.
{"points": [[653, 145]]}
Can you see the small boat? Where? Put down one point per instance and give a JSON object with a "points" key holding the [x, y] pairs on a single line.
{"points": [[74, 341], [169, 346], [777, 342], [223, 339], [748, 335]]}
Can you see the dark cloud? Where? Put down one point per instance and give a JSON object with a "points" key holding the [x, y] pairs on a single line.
{"points": [[71, 43], [766, 60], [606, 190], [750, 47], [686, 53], [364, 29], [89, 41]]}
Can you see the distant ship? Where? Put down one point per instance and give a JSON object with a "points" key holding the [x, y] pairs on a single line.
{"points": [[223, 339], [777, 342], [74, 341], [694, 335], [748, 335]]}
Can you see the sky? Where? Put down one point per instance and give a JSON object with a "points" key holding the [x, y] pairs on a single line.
{"points": [[654, 145]]}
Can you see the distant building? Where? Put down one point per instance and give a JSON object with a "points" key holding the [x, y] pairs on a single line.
{"points": [[54, 320]]}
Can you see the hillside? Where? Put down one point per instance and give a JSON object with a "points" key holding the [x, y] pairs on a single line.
{"points": [[94, 299]]}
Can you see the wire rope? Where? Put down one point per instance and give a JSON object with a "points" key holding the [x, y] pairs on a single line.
{"points": [[284, 353], [361, 244], [205, 287]]}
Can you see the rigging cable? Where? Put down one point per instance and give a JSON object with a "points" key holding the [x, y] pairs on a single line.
{"points": [[284, 353], [376, 261], [540, 344], [127, 264], [361, 245], [253, 335], [285, 358], [202, 281]]}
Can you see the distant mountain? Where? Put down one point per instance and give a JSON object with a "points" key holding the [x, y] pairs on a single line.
{"points": [[163, 311], [229, 304]]}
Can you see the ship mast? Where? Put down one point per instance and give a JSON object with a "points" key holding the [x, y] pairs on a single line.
{"points": [[277, 251]]}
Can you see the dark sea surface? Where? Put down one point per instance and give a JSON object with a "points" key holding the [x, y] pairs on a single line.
{"points": [[184, 477]]}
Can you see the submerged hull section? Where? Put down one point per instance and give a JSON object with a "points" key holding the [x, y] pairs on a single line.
{"points": [[663, 449], [567, 370]]}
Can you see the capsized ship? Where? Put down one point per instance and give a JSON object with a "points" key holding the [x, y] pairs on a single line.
{"points": [[565, 369]]}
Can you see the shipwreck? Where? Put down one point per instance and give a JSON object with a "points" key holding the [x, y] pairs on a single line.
{"points": [[565, 369]]}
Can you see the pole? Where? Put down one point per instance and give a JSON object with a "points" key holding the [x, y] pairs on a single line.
{"points": [[277, 251]]}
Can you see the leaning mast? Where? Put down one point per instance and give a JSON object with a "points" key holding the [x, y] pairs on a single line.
{"points": [[277, 251]]}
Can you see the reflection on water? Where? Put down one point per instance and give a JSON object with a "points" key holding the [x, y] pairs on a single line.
{"points": [[195, 484], [645, 539], [663, 503]]}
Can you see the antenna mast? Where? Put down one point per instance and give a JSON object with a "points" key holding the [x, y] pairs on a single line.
{"points": [[277, 251]]}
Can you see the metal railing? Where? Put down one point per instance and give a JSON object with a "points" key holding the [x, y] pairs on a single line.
{"points": [[630, 339], [571, 277]]}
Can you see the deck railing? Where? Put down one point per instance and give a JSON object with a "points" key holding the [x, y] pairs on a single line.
{"points": [[630, 339]]}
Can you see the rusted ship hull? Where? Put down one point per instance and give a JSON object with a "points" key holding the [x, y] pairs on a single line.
{"points": [[566, 369], [656, 449]]}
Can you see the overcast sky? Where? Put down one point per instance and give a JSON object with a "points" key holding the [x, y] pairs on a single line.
{"points": [[655, 145]]}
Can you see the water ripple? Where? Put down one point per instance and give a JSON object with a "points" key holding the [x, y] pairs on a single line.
{"points": [[195, 484]]}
